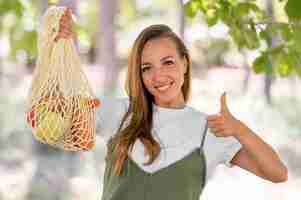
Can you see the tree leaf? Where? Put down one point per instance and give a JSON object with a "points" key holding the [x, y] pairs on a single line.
{"points": [[251, 38], [296, 61], [212, 17], [224, 11], [268, 64], [286, 31], [259, 64], [237, 36], [296, 36], [292, 9], [241, 10], [263, 64], [192, 7], [264, 34], [298, 70], [285, 65], [244, 9]]}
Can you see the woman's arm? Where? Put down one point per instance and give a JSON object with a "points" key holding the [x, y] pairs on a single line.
{"points": [[258, 157], [255, 155]]}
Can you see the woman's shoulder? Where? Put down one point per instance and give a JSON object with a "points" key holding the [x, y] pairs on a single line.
{"points": [[195, 113]]}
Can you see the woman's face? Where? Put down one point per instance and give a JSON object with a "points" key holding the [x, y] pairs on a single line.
{"points": [[163, 72]]}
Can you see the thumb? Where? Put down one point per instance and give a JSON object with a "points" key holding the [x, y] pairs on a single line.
{"points": [[224, 107]]}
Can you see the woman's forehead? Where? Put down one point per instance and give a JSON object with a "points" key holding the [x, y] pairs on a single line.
{"points": [[158, 49]]}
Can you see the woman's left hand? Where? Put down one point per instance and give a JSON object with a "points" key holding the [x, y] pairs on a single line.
{"points": [[224, 124]]}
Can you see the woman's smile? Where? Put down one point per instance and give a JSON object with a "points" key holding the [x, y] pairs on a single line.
{"points": [[165, 87]]}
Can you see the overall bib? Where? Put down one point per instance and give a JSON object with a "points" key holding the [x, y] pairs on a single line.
{"points": [[182, 180]]}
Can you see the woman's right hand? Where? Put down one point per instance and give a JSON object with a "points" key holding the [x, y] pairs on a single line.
{"points": [[65, 28]]}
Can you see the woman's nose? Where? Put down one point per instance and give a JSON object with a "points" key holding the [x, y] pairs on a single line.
{"points": [[158, 75]]}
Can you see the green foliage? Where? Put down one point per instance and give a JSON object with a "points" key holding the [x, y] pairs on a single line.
{"points": [[26, 41], [260, 63], [14, 6], [292, 9], [192, 7], [17, 23], [250, 26], [216, 50]]}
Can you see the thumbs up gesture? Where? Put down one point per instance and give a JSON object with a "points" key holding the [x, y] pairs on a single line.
{"points": [[224, 124]]}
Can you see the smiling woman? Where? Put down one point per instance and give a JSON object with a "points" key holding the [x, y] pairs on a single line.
{"points": [[163, 70], [158, 146]]}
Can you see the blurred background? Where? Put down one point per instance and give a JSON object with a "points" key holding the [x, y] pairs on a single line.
{"points": [[255, 62]]}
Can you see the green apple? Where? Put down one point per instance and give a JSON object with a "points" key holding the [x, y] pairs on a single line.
{"points": [[51, 127]]}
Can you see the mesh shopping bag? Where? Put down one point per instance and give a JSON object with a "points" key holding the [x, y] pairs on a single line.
{"points": [[60, 106]]}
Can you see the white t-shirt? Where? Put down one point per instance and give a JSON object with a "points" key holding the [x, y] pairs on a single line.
{"points": [[178, 131]]}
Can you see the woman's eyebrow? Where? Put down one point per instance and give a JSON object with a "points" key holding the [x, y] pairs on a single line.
{"points": [[162, 59], [165, 58]]}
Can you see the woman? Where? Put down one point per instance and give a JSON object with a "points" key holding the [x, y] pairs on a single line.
{"points": [[157, 145]]}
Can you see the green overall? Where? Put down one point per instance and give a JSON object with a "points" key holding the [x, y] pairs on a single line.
{"points": [[182, 180]]}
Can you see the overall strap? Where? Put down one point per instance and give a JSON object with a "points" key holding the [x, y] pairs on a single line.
{"points": [[204, 134]]}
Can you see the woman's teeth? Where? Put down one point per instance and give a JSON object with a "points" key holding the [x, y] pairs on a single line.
{"points": [[165, 87]]}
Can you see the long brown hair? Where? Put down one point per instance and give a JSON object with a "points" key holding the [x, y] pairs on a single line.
{"points": [[140, 112]]}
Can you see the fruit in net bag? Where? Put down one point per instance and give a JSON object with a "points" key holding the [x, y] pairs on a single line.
{"points": [[51, 128], [48, 120], [61, 104], [83, 119]]}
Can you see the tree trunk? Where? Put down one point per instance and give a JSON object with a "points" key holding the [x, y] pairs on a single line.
{"points": [[181, 17], [247, 75], [106, 55], [43, 6], [1, 73], [268, 79]]}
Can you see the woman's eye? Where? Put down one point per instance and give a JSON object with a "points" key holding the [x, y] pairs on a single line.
{"points": [[144, 69], [168, 62]]}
